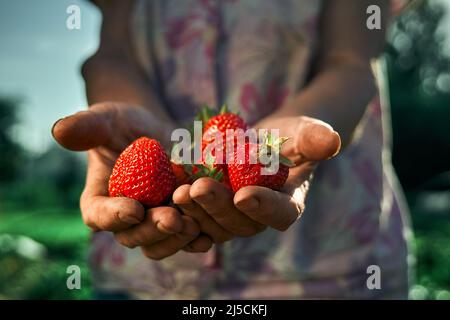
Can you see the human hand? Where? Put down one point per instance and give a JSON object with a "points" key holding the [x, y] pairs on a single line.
{"points": [[105, 130], [222, 215]]}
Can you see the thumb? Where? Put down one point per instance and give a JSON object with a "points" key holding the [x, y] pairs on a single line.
{"points": [[83, 130], [316, 140]]}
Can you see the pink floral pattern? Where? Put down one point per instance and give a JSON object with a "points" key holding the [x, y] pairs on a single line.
{"points": [[251, 99], [254, 54]]}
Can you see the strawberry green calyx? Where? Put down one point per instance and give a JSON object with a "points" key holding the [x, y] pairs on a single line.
{"points": [[285, 161], [209, 168], [272, 146], [207, 112], [216, 174], [202, 171], [223, 109]]}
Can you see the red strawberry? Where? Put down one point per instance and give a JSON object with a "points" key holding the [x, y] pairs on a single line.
{"points": [[219, 124], [213, 125], [248, 171], [143, 172], [181, 175]]}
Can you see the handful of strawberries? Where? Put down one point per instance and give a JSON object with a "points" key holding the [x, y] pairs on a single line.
{"points": [[144, 171]]}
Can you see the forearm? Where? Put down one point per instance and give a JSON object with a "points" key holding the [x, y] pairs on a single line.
{"points": [[114, 79], [343, 84], [337, 95], [113, 74]]}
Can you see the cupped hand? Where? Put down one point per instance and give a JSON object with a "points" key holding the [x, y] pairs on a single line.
{"points": [[223, 215], [105, 130]]}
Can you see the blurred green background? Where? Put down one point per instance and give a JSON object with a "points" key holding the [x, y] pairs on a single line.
{"points": [[41, 232]]}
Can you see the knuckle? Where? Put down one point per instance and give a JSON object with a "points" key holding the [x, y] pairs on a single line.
{"points": [[123, 240], [170, 212], [286, 222], [186, 237], [192, 229], [203, 248], [105, 222], [221, 238], [161, 212], [89, 66], [152, 254], [87, 220], [282, 227], [260, 228], [167, 217]]}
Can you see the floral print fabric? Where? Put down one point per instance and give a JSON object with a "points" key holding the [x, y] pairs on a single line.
{"points": [[254, 55]]}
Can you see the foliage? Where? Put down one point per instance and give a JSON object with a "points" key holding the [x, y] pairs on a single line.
{"points": [[432, 238], [11, 152], [30, 272], [419, 76], [419, 80]]}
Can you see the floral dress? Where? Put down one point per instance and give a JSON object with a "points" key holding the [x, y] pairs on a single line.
{"points": [[255, 54]]}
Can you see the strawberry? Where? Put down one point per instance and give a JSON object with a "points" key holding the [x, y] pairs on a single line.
{"points": [[143, 172], [213, 125], [182, 177], [220, 123], [244, 172]]}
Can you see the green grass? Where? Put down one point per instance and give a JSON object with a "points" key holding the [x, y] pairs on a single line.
{"points": [[66, 241], [432, 244]]}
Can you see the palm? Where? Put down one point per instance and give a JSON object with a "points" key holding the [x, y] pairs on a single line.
{"points": [[223, 215], [105, 130]]}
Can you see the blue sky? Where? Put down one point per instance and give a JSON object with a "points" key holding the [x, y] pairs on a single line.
{"points": [[40, 60]]}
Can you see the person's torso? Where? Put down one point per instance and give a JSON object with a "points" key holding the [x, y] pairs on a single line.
{"points": [[253, 55]]}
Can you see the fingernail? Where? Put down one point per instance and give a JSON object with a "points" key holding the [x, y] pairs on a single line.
{"points": [[129, 219], [250, 204], [54, 125]]}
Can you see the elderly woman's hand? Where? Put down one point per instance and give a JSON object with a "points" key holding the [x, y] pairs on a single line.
{"points": [[105, 130], [223, 215]]}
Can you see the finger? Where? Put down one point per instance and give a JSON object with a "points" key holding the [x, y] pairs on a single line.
{"points": [[111, 214], [207, 224], [173, 243], [298, 176], [85, 129], [202, 244], [101, 212], [268, 207], [217, 201], [316, 140], [160, 223]]}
